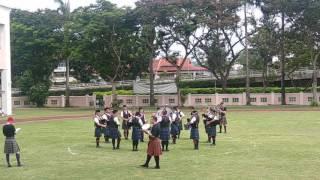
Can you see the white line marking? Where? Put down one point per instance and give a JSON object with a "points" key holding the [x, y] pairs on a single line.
{"points": [[69, 150]]}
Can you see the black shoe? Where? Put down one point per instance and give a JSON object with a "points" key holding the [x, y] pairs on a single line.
{"points": [[144, 166], [157, 167], [118, 148], [9, 165], [97, 146], [114, 148], [167, 150], [19, 165]]}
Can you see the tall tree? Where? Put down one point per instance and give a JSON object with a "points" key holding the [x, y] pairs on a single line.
{"points": [[65, 11], [284, 10], [105, 38], [36, 38]]}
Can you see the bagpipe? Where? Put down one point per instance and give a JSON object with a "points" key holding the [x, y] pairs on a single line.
{"points": [[215, 120]]}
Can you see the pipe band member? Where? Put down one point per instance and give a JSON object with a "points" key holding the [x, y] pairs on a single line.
{"points": [[106, 116], [194, 132], [98, 127], [154, 147], [212, 122], [114, 131], [136, 124], [125, 115], [175, 129], [11, 146], [165, 131], [223, 117], [143, 119], [181, 115]]}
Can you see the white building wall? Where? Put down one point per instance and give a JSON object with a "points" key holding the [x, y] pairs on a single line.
{"points": [[5, 60]]}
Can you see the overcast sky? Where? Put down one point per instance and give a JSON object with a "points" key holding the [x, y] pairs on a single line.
{"points": [[33, 5]]}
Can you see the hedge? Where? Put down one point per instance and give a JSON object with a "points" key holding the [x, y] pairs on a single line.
{"points": [[119, 92], [83, 92]]}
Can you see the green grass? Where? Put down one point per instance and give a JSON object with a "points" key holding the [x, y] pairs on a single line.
{"points": [[259, 145]]}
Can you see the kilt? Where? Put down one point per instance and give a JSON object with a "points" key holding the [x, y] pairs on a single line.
{"points": [[207, 128], [136, 134], [125, 125], [154, 147], [165, 134], [11, 146], [223, 121], [107, 132], [114, 133], [211, 131], [97, 132], [194, 133], [174, 129]]}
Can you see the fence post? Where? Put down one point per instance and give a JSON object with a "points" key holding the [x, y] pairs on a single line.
{"points": [[244, 99], [301, 98], [272, 98], [137, 101], [217, 98], [63, 101]]}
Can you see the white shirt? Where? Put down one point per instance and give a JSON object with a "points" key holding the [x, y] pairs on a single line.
{"points": [[181, 114], [104, 116], [96, 120], [193, 119], [116, 119], [121, 114]]}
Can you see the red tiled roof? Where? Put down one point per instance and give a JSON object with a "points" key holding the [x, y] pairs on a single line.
{"points": [[162, 65]]}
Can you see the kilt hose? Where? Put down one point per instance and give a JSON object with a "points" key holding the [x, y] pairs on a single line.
{"points": [[154, 147], [11, 146], [165, 134], [97, 132], [175, 129], [211, 130], [194, 134], [136, 134], [114, 133]]}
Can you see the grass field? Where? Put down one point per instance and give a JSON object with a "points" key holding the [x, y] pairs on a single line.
{"points": [[259, 145]]}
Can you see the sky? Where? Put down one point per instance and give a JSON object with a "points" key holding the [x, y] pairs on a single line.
{"points": [[33, 5]]}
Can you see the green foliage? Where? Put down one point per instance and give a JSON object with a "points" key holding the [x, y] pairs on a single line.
{"points": [[118, 92], [38, 94], [314, 104]]}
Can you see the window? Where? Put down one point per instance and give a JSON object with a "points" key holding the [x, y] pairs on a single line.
{"points": [[263, 99], [54, 102], [145, 101], [171, 101], [129, 101], [225, 100], [253, 99], [16, 103], [310, 99], [26, 103], [198, 100], [207, 100], [235, 100], [292, 99], [155, 101]]}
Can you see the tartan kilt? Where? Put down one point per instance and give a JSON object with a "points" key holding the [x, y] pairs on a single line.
{"points": [[174, 129], [114, 133], [136, 134], [223, 121], [194, 133], [154, 147], [97, 132], [212, 131], [11, 146], [125, 125], [107, 132], [164, 134]]}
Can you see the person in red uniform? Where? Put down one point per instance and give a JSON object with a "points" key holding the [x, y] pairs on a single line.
{"points": [[11, 146], [154, 145]]}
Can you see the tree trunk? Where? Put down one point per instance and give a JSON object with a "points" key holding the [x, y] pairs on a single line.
{"points": [[264, 81], [177, 80], [67, 93], [152, 100], [224, 83], [283, 88], [315, 79], [248, 99], [114, 93]]}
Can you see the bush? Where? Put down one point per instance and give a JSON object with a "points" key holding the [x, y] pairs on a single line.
{"points": [[38, 94], [108, 93]]}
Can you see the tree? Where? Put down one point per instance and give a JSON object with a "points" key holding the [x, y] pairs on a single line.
{"points": [[218, 51], [64, 10], [35, 41], [306, 29], [283, 9], [105, 36]]}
